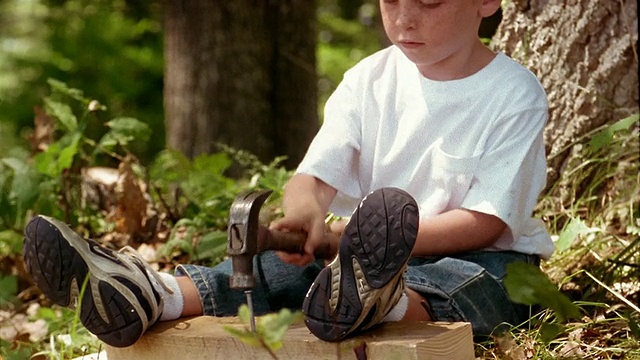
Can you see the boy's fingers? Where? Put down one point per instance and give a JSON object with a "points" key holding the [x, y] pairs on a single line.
{"points": [[279, 224], [286, 224], [295, 259], [315, 237]]}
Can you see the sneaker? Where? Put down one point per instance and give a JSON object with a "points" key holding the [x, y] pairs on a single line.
{"points": [[366, 279], [119, 301]]}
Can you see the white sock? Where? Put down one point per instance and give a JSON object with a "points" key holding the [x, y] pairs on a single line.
{"points": [[173, 303], [398, 311]]}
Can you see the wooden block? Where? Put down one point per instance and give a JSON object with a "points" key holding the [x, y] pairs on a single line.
{"points": [[204, 338]]}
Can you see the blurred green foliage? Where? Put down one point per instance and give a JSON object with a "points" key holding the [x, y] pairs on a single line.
{"points": [[50, 182], [112, 49], [342, 42]]}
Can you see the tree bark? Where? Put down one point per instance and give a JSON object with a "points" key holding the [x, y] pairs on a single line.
{"points": [[241, 73], [585, 54]]}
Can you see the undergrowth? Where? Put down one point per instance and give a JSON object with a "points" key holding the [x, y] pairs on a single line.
{"points": [[176, 211], [593, 214]]}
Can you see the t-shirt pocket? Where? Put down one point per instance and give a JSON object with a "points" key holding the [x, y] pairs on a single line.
{"points": [[450, 179]]}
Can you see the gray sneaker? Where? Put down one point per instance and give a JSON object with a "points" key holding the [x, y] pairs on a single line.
{"points": [[366, 279], [119, 302]]}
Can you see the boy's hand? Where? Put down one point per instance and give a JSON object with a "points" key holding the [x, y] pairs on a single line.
{"points": [[313, 226], [305, 202], [331, 235]]}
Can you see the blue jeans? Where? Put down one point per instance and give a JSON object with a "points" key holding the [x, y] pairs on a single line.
{"points": [[464, 287]]}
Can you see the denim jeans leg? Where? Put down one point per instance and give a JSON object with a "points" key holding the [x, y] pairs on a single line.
{"points": [[469, 288], [278, 285]]}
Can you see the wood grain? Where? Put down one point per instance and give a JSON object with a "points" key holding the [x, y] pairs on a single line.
{"points": [[204, 338]]}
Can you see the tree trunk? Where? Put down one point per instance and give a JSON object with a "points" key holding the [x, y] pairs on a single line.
{"points": [[585, 54], [241, 73]]}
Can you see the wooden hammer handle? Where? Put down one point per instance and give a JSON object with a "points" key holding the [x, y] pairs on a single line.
{"points": [[293, 242]]}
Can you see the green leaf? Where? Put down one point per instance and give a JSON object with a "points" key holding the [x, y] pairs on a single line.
{"points": [[211, 163], [58, 157], [24, 353], [206, 185], [63, 113], [576, 227], [212, 244], [46, 161], [246, 336], [244, 314], [65, 160], [8, 288], [527, 284], [15, 164], [634, 326], [47, 314], [274, 326], [60, 87], [605, 136], [169, 166], [125, 130], [10, 243], [23, 189], [550, 331], [7, 205], [270, 328]]}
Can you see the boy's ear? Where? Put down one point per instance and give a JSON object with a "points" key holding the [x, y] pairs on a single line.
{"points": [[489, 7]]}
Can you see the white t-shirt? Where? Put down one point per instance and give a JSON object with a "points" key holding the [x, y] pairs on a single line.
{"points": [[473, 143]]}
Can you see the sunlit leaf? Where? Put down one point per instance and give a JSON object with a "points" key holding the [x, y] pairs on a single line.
{"points": [[212, 163], [527, 284], [47, 313], [274, 326], [58, 156], [246, 336], [65, 160], [244, 314], [63, 113], [604, 137], [10, 242], [125, 130], [62, 88], [270, 328], [576, 227]]}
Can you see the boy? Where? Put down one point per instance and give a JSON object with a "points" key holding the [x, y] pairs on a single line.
{"points": [[436, 142]]}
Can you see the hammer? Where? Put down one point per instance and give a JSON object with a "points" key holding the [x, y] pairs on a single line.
{"points": [[247, 238]]}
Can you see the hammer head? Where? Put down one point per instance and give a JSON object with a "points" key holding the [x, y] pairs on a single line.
{"points": [[242, 237]]}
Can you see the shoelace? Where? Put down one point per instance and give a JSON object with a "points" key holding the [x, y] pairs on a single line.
{"points": [[128, 250]]}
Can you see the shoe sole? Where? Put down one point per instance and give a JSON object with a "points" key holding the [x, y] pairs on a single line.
{"points": [[387, 220], [58, 265]]}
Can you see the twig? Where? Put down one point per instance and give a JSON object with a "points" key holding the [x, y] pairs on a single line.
{"points": [[164, 203], [618, 262], [264, 345], [617, 294]]}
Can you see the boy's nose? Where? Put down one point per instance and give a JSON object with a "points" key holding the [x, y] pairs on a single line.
{"points": [[406, 15]]}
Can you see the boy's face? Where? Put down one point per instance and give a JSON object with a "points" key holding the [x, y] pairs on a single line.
{"points": [[436, 34]]}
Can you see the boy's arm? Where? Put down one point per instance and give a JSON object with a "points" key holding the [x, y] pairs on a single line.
{"points": [[457, 231], [306, 201], [452, 232]]}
